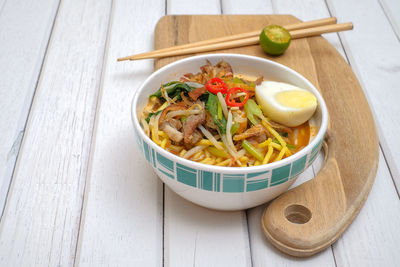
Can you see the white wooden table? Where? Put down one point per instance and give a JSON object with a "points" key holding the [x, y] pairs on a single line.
{"points": [[74, 189]]}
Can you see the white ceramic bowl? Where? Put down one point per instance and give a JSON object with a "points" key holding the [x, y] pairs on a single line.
{"points": [[227, 188]]}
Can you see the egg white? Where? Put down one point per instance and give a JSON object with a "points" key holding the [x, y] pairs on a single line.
{"points": [[295, 115]]}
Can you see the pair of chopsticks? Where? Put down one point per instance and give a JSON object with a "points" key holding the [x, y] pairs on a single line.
{"points": [[298, 30]]}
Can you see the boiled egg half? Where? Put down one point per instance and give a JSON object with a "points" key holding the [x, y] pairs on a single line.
{"points": [[285, 103]]}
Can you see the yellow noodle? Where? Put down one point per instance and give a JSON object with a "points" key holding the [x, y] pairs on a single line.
{"points": [[149, 107], [212, 157], [257, 163], [279, 147], [153, 131], [198, 153], [224, 163], [163, 134], [265, 143], [274, 133], [268, 155], [281, 154], [164, 143], [198, 156], [219, 159], [183, 152], [176, 148], [207, 161], [244, 159], [206, 142], [276, 146], [273, 157], [153, 137], [163, 106]]}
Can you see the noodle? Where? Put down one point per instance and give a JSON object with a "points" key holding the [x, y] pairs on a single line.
{"points": [[218, 160], [276, 146], [183, 152], [274, 133], [215, 123], [265, 143], [164, 142], [279, 157], [193, 151], [163, 106], [225, 162], [268, 155]]}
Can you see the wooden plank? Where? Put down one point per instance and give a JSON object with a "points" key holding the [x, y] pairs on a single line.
{"points": [[374, 237], [232, 7], [392, 9], [194, 235], [41, 219], [262, 251], [265, 254], [335, 196], [122, 223], [309, 10], [2, 2], [375, 62], [25, 29], [182, 7]]}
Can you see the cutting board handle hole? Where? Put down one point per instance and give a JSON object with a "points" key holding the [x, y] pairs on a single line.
{"points": [[297, 214]]}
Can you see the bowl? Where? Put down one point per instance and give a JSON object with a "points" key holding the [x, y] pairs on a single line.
{"points": [[227, 188]]}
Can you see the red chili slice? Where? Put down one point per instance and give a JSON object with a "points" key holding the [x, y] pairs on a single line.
{"points": [[216, 85], [232, 102]]}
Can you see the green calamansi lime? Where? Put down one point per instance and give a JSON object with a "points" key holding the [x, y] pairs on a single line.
{"points": [[274, 39]]}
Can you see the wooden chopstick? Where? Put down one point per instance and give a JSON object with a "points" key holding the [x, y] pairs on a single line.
{"points": [[238, 42], [321, 30], [291, 27]]}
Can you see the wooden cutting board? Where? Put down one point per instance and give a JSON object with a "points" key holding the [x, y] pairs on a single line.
{"points": [[310, 217]]}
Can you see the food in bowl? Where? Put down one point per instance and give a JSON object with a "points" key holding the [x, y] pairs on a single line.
{"points": [[222, 118], [223, 187]]}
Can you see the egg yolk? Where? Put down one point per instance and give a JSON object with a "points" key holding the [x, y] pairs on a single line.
{"points": [[296, 99]]}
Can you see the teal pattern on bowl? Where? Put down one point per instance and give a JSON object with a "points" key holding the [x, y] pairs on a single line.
{"points": [[227, 183]]}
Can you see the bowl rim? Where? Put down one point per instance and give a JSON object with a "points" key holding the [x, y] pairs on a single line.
{"points": [[223, 169]]}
